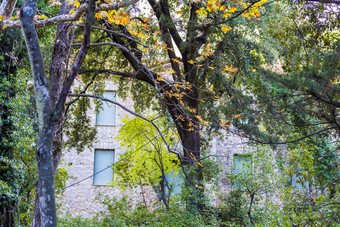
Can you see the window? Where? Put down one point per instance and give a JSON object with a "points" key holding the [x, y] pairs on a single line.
{"points": [[107, 112], [242, 169], [103, 160], [174, 184], [299, 182]]}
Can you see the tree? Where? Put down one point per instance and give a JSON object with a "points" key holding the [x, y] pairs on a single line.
{"points": [[201, 87], [50, 98], [187, 86], [305, 87], [147, 160]]}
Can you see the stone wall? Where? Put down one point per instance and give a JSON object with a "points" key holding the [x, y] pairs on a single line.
{"points": [[80, 198]]}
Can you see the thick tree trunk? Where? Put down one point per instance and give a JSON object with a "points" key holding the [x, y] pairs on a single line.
{"points": [[191, 142], [46, 176], [193, 183]]}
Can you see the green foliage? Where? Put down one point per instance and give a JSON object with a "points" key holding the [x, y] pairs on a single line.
{"points": [[147, 159], [78, 129], [121, 213], [233, 210], [17, 134], [79, 221]]}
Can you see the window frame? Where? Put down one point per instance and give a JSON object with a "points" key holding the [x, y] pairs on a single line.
{"points": [[94, 166], [235, 182], [104, 103]]}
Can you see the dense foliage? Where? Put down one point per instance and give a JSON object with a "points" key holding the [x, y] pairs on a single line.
{"points": [[266, 71]]}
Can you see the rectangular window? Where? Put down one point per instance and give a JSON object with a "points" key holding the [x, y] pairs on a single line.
{"points": [[242, 169], [174, 184], [107, 112], [103, 161], [299, 182]]}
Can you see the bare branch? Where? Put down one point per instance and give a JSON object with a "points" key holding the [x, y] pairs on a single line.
{"points": [[78, 61], [127, 75], [117, 33], [7, 7], [286, 142], [127, 110], [150, 78], [71, 17]]}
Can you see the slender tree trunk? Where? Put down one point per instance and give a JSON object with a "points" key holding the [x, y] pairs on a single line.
{"points": [[252, 195], [57, 71], [45, 117], [7, 211]]}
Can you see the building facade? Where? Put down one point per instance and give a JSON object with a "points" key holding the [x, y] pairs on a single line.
{"points": [[91, 170]]}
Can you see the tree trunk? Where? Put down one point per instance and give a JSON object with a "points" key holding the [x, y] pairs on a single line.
{"points": [[7, 211], [45, 117], [57, 70], [190, 138]]}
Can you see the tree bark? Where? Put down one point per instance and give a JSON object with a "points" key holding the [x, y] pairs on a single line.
{"points": [[45, 116], [57, 72], [6, 11]]}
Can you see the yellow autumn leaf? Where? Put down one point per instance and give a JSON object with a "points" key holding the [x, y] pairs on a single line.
{"points": [[43, 17], [210, 7], [257, 14], [191, 61], [238, 116], [243, 3], [199, 118], [202, 12], [226, 29], [211, 87], [257, 4], [124, 20], [134, 33], [224, 123], [234, 70], [71, 11], [232, 9], [160, 78], [76, 4], [222, 8], [98, 16], [246, 15]]}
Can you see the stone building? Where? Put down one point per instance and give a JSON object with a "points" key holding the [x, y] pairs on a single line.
{"points": [[90, 170]]}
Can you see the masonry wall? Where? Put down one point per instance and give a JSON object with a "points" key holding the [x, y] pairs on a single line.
{"points": [[80, 198]]}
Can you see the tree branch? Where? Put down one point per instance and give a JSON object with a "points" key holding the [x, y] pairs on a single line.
{"points": [[127, 110], [69, 18], [78, 61], [291, 141], [6, 10]]}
